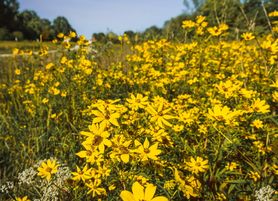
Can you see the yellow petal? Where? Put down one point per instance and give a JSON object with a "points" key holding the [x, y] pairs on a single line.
{"points": [[160, 198], [146, 143], [125, 158], [138, 191], [114, 122], [150, 191], [127, 196]]}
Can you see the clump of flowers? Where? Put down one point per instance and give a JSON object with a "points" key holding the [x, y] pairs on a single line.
{"points": [[40, 182]]}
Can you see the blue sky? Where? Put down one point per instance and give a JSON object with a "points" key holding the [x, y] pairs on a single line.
{"points": [[91, 16]]}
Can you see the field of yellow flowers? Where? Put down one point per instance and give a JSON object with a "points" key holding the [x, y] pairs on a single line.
{"points": [[171, 121]]}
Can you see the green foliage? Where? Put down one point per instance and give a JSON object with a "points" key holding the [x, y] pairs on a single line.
{"points": [[61, 25], [28, 23], [4, 34], [18, 35]]}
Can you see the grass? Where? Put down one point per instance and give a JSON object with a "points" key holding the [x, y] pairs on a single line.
{"points": [[6, 47]]}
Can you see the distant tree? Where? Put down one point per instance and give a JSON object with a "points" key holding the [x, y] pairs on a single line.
{"points": [[100, 37], [112, 37], [152, 33], [172, 28], [30, 24], [17, 35], [47, 30], [131, 35], [4, 34], [61, 25], [8, 12], [217, 12]]}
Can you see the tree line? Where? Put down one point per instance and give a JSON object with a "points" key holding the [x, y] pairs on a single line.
{"points": [[240, 15], [27, 25]]}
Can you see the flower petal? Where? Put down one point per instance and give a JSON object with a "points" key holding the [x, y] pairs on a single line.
{"points": [[150, 191], [138, 191], [127, 196]]}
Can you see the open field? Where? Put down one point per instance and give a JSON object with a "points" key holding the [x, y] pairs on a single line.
{"points": [[6, 47], [158, 119]]}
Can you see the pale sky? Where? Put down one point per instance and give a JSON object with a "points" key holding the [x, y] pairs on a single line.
{"points": [[92, 16]]}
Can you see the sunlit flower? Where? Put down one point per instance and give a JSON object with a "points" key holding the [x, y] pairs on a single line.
{"points": [[83, 174], [47, 169], [247, 36], [25, 198], [140, 194], [146, 151], [197, 166], [257, 123]]}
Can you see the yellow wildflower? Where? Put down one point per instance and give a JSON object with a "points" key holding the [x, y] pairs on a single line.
{"points": [[257, 123], [139, 193], [25, 198], [47, 169], [95, 190], [146, 151], [247, 36], [198, 165], [83, 174]]}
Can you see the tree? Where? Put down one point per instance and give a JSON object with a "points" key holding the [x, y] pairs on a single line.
{"points": [[61, 25], [47, 30], [152, 33], [8, 11], [100, 37], [30, 24]]}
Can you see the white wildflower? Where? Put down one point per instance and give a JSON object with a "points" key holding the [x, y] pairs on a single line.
{"points": [[264, 194]]}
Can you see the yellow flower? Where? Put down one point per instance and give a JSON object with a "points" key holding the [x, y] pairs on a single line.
{"points": [[140, 194], [224, 114], [146, 151], [214, 31], [160, 115], [15, 51], [273, 14], [185, 186], [95, 190], [231, 166], [120, 150], [275, 84], [200, 19], [260, 106], [25, 198], [188, 24], [72, 34], [49, 66], [198, 165], [223, 27], [257, 123], [47, 169], [60, 35], [45, 100], [106, 117], [97, 137], [83, 174], [254, 175], [247, 36], [275, 96], [138, 101], [17, 71]]}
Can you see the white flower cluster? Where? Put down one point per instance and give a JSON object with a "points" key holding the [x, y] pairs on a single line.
{"points": [[27, 176], [264, 194], [48, 190], [5, 188]]}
